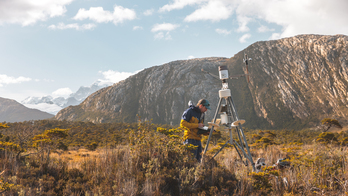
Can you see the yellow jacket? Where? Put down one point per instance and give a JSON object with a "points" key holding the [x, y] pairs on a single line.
{"points": [[189, 122]]}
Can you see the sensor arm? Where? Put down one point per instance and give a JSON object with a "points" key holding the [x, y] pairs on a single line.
{"points": [[215, 76]]}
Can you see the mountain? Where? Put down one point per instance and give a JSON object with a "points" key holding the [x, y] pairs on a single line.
{"points": [[12, 111], [294, 83], [53, 105], [84, 92]]}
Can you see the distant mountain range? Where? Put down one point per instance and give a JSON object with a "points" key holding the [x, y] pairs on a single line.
{"points": [[12, 111], [54, 105], [294, 83]]}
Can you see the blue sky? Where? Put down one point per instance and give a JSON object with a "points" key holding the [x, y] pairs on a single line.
{"points": [[52, 47]]}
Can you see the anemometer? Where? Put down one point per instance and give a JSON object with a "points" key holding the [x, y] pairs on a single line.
{"points": [[229, 117]]}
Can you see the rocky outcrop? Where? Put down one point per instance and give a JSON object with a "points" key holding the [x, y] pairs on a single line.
{"points": [[294, 83], [304, 76]]}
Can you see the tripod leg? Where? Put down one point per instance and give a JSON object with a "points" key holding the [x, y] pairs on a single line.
{"points": [[240, 138], [220, 150], [240, 156], [247, 147], [231, 137], [246, 163], [212, 128], [240, 132], [229, 100], [243, 151]]}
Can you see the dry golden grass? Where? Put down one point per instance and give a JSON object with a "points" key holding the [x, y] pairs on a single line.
{"points": [[74, 158]]}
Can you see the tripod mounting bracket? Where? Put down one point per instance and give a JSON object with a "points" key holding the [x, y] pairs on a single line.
{"points": [[236, 123], [224, 93]]}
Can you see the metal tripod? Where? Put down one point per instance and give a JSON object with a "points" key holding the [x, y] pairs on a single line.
{"points": [[230, 119]]}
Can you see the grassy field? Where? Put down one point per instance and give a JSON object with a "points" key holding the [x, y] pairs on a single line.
{"points": [[153, 161], [315, 170]]}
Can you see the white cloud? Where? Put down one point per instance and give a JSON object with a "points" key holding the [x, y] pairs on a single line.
{"points": [[244, 38], [137, 28], [263, 29], [62, 92], [98, 14], [149, 12], [27, 12], [164, 27], [110, 76], [161, 28], [243, 22], [159, 35], [190, 57], [298, 16], [48, 80], [214, 10], [223, 31], [168, 36], [275, 36], [4, 79], [75, 26], [179, 4], [293, 16], [88, 26]]}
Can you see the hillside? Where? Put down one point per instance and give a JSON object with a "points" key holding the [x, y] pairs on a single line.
{"points": [[294, 83], [12, 111]]}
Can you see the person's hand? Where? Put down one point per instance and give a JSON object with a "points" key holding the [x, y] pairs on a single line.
{"points": [[200, 125], [206, 133]]}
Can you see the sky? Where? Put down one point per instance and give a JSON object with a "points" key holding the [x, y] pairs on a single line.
{"points": [[52, 47]]}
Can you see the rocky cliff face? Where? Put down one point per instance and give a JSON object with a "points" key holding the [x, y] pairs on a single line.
{"points": [[160, 93], [303, 79], [294, 82]]}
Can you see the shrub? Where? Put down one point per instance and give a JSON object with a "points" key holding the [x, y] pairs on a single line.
{"points": [[344, 141], [92, 146], [328, 123], [326, 138]]}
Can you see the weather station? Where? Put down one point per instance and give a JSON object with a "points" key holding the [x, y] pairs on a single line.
{"points": [[229, 117]]}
